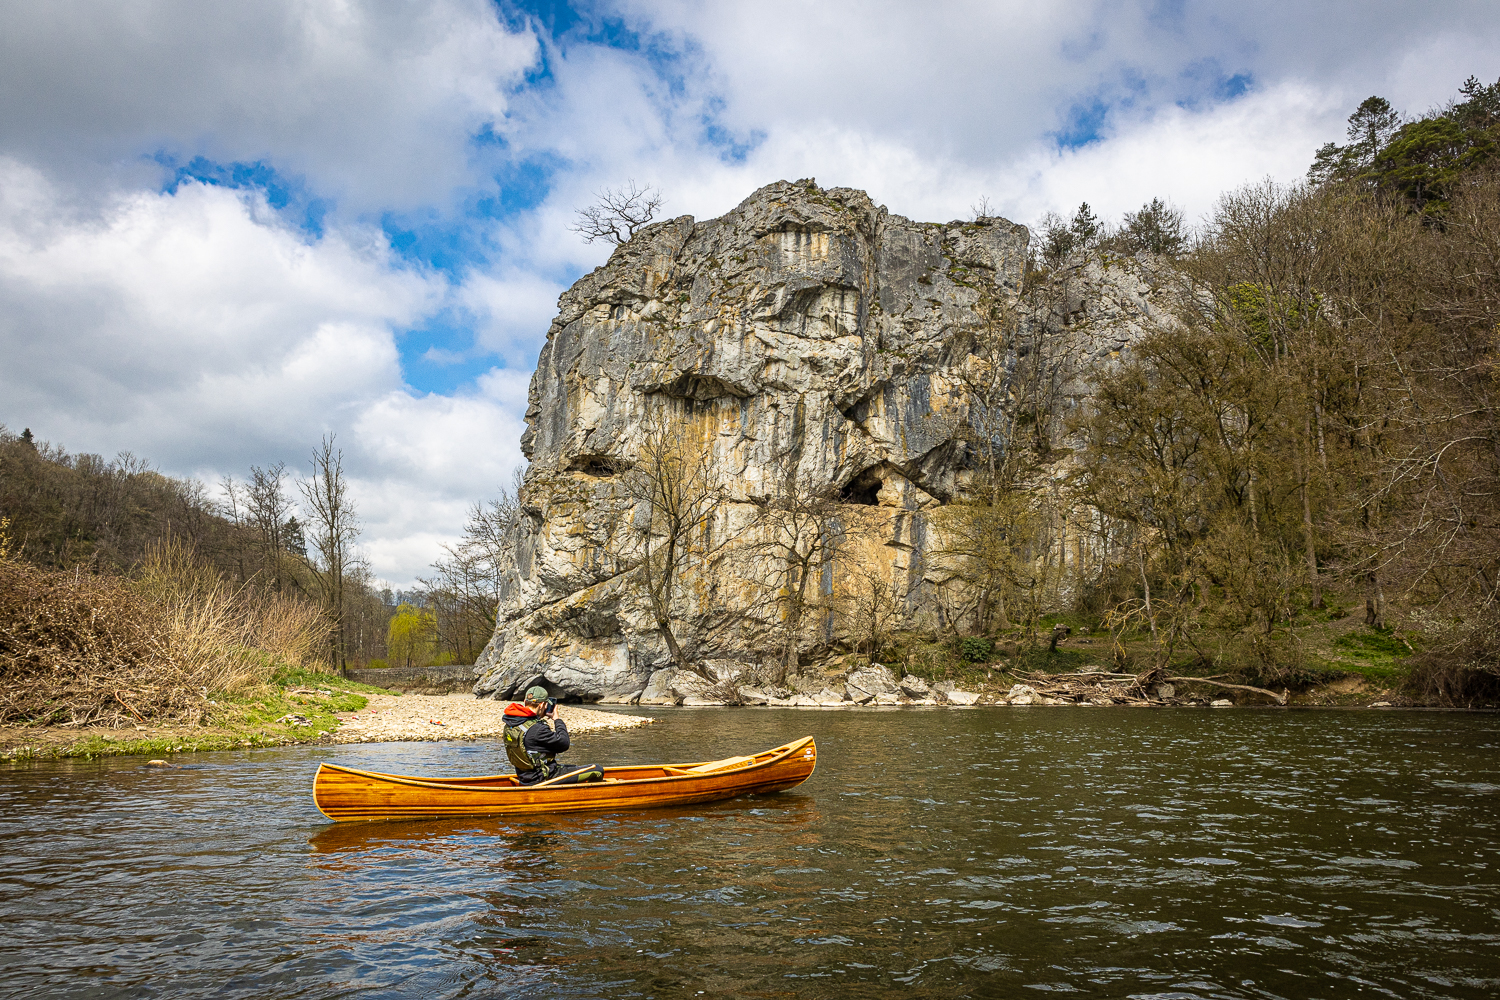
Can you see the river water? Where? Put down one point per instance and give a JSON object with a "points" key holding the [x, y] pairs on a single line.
{"points": [[987, 853]]}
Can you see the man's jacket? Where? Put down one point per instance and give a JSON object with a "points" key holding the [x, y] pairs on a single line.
{"points": [[533, 742]]}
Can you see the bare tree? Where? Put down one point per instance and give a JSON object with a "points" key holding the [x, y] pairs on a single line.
{"points": [[1011, 387], [490, 524], [797, 522], [675, 493], [463, 599], [870, 607], [618, 213], [335, 527], [269, 507]]}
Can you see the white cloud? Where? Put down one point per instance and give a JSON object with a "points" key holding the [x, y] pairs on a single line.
{"points": [[374, 103], [931, 110], [198, 330]]}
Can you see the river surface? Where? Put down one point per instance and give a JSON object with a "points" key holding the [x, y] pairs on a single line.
{"points": [[987, 853]]}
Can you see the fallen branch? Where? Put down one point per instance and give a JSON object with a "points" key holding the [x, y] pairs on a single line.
{"points": [[1280, 699]]}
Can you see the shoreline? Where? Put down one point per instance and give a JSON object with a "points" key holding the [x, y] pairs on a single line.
{"points": [[385, 718], [382, 721]]}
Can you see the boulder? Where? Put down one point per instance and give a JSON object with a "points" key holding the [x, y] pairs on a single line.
{"points": [[753, 696], [957, 697], [1021, 694], [915, 687], [867, 683], [673, 686]]}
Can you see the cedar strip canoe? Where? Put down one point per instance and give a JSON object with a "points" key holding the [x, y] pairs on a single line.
{"points": [[345, 794]]}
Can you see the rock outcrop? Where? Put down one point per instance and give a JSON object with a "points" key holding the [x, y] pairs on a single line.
{"points": [[807, 329]]}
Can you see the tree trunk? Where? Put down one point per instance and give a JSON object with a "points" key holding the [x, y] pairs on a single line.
{"points": [[1146, 585], [1304, 472]]}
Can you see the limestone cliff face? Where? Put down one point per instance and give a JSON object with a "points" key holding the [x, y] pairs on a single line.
{"points": [[807, 325]]}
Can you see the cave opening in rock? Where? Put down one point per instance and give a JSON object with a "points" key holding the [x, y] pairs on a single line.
{"points": [[864, 488], [602, 466]]}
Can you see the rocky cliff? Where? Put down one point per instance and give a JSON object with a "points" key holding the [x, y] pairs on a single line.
{"points": [[807, 330]]}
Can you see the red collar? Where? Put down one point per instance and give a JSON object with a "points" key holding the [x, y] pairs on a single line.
{"points": [[518, 710]]}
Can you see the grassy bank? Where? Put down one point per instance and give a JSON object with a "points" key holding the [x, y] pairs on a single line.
{"points": [[1324, 657], [250, 718]]}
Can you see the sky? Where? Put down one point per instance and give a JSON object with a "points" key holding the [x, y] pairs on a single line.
{"points": [[227, 230]]}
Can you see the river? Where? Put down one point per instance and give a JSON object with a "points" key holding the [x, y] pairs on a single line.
{"points": [[935, 853]]}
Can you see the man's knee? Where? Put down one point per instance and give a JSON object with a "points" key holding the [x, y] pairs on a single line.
{"points": [[578, 775]]}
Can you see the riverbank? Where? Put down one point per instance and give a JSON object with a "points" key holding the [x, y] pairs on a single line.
{"points": [[389, 718], [327, 709], [300, 708]]}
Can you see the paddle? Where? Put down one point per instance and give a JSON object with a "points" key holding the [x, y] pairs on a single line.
{"points": [[560, 777]]}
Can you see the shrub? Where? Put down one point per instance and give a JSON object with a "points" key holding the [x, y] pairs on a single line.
{"points": [[976, 648], [80, 649], [1460, 662]]}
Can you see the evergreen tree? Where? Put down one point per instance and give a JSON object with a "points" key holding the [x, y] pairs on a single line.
{"points": [[1156, 228]]}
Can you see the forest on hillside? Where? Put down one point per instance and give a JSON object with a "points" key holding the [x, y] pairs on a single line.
{"points": [[130, 592], [1320, 421]]}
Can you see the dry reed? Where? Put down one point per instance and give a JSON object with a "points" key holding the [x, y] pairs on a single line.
{"points": [[78, 649]]}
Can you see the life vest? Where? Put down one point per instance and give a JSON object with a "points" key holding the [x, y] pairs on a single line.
{"points": [[521, 758]]}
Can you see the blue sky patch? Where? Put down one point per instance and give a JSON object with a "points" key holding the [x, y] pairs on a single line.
{"points": [[1085, 124], [289, 196]]}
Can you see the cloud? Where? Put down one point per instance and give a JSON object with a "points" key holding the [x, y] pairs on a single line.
{"points": [[375, 104], [931, 112], [200, 330]]}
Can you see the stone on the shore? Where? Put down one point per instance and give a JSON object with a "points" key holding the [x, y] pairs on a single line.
{"points": [[915, 687], [752, 696], [1166, 691], [957, 697], [1221, 703], [867, 683], [673, 686], [1021, 694]]}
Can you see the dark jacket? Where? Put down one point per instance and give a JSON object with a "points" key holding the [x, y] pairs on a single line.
{"points": [[543, 740]]}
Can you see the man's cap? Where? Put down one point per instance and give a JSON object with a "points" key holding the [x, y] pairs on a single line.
{"points": [[536, 693]]}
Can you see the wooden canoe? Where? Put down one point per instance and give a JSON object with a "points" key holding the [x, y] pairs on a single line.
{"points": [[345, 794]]}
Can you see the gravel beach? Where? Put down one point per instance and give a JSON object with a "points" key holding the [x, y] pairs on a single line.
{"points": [[454, 717]]}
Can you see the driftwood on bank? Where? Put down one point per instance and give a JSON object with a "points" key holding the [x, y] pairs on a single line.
{"points": [[1105, 687]]}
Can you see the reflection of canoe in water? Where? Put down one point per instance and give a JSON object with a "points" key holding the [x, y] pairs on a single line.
{"points": [[344, 793]]}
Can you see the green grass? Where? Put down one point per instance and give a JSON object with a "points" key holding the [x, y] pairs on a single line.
{"points": [[155, 746], [1378, 655], [236, 721]]}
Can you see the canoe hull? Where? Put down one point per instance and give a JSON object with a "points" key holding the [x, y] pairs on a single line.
{"points": [[350, 795]]}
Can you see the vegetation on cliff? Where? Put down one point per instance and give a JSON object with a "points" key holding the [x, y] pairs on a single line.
{"points": [[1321, 419]]}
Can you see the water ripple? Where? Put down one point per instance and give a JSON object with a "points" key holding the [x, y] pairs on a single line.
{"points": [[984, 853]]}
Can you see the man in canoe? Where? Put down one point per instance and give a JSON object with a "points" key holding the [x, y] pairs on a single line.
{"points": [[534, 736]]}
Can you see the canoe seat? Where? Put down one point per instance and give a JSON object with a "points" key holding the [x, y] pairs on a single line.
{"points": [[717, 765]]}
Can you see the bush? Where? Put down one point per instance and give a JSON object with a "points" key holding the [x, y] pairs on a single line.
{"points": [[976, 648], [1460, 662], [80, 649]]}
